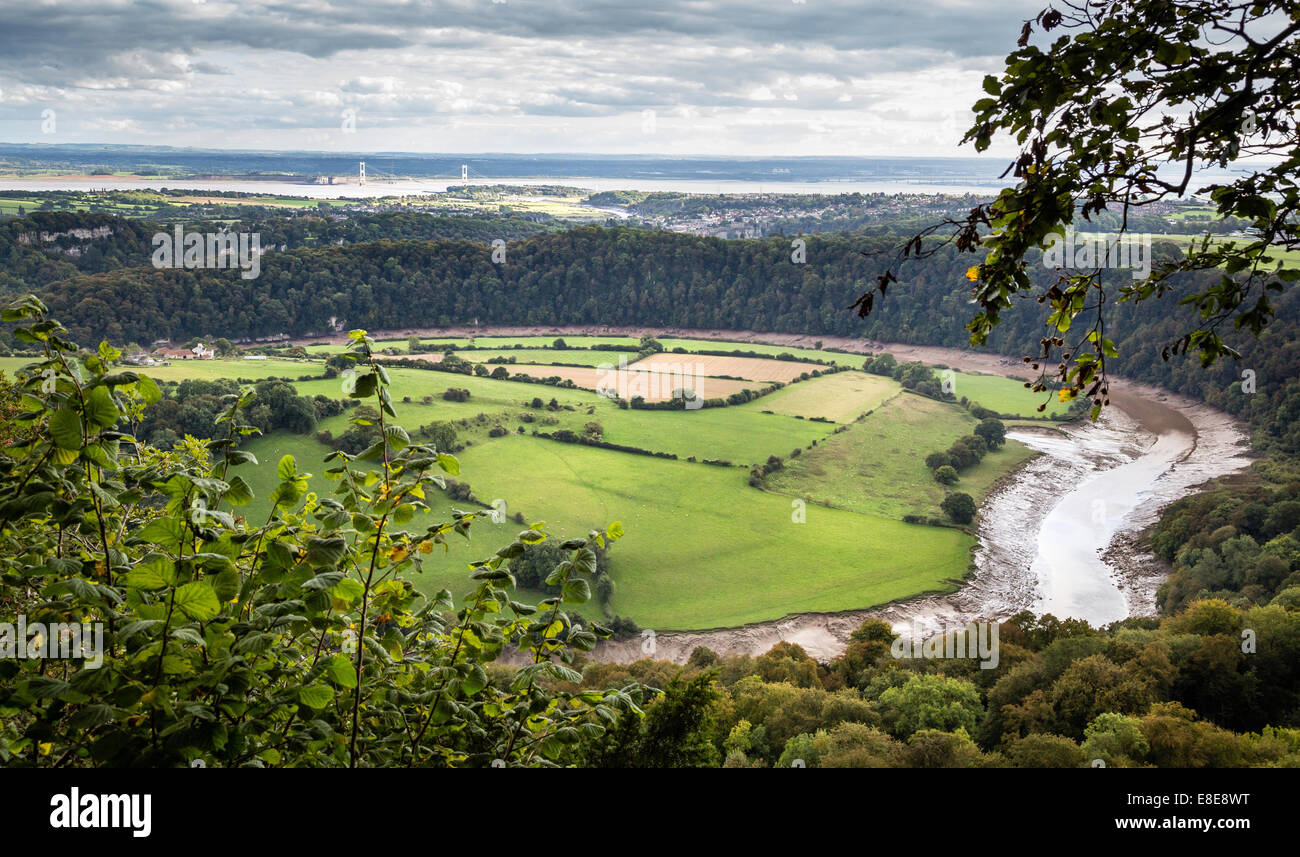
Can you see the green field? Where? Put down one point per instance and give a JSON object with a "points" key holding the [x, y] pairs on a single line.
{"points": [[521, 341], [839, 398], [703, 550], [581, 357], [743, 435], [703, 547], [1287, 257], [762, 348], [878, 466], [145, 202], [179, 370], [491, 346], [1006, 396], [696, 536]]}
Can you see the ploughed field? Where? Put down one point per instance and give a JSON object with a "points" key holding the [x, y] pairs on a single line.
{"points": [[703, 547]]}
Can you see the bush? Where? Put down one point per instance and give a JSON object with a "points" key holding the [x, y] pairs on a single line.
{"points": [[962, 456], [993, 432], [935, 460], [439, 433], [945, 475], [960, 507]]}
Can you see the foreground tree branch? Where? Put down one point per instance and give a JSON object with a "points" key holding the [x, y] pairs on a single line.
{"points": [[1128, 93]]}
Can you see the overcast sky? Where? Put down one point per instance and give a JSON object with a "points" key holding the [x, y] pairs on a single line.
{"points": [[716, 77]]}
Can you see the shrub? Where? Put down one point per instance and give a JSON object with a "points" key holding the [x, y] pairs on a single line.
{"points": [[959, 506], [935, 460], [945, 475]]}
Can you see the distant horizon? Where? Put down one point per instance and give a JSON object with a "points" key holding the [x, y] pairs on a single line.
{"points": [[142, 147]]}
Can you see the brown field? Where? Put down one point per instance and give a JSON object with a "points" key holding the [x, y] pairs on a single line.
{"points": [[651, 386], [431, 357], [753, 368]]}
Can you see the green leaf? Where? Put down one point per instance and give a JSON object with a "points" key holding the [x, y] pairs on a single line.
{"points": [[475, 681], [239, 493], [348, 590], [362, 386], [91, 716], [65, 428], [198, 601], [96, 453], [148, 390], [562, 672], [576, 591], [100, 408], [157, 573], [586, 561], [449, 463], [45, 687], [322, 552], [397, 437], [559, 572], [323, 581], [341, 671], [226, 585], [287, 469], [286, 494], [316, 695], [164, 532]]}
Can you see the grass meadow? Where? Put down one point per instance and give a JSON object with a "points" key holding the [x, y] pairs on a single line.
{"points": [[703, 548]]}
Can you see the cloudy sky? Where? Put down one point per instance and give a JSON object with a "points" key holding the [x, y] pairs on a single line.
{"points": [[719, 77]]}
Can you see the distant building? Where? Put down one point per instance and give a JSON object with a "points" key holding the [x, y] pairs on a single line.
{"points": [[198, 352]]}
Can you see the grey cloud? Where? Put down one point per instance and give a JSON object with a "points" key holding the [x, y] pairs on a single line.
{"points": [[279, 65]]}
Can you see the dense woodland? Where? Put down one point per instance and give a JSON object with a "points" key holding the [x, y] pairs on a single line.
{"points": [[623, 276], [1177, 692], [43, 246]]}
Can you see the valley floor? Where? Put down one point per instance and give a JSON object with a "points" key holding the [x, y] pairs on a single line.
{"points": [[704, 549]]}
